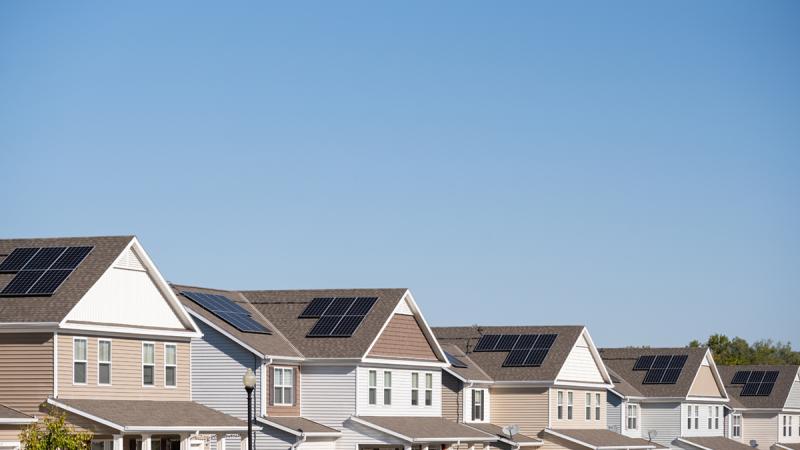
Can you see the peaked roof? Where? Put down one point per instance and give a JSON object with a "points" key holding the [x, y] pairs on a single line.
{"points": [[622, 360], [55, 307], [472, 371], [779, 394], [491, 363]]}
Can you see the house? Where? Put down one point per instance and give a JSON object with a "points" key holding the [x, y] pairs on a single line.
{"points": [[337, 369], [765, 405], [548, 381], [89, 328], [672, 396]]}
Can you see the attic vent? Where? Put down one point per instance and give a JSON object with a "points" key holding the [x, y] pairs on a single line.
{"points": [[129, 260]]}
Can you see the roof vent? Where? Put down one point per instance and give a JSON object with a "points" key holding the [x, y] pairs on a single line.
{"points": [[129, 260]]}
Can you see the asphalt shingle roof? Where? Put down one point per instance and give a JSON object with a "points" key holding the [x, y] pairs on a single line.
{"points": [[599, 438], [421, 428], [779, 394], [622, 360], [717, 443], [11, 413], [156, 414], [299, 424]]}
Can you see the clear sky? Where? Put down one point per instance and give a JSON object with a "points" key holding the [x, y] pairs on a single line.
{"points": [[632, 166]]}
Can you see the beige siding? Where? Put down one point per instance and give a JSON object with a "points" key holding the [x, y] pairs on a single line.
{"points": [[26, 370], [10, 432], [763, 428], [451, 397], [526, 407], [294, 410], [704, 384], [579, 411], [403, 338], [126, 371]]}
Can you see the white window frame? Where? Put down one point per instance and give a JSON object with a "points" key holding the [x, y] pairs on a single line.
{"points": [[387, 387], [597, 408], [787, 425], [588, 406], [428, 389], [109, 362], [560, 405], [283, 386], [84, 361], [635, 417], [570, 404], [736, 428], [372, 383], [414, 388], [480, 405], [153, 364], [689, 417], [696, 417], [716, 417], [710, 417], [170, 344]]}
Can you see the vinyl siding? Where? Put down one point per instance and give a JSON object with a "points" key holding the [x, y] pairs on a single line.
{"points": [[452, 394], [526, 407], [793, 399], [329, 394], [403, 338], [401, 393], [795, 429], [578, 414], [762, 428], [705, 385], [126, 371], [10, 432], [580, 365], [704, 429], [614, 413], [26, 370], [664, 418]]}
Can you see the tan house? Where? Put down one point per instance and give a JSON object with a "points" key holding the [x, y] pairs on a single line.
{"points": [[89, 327]]}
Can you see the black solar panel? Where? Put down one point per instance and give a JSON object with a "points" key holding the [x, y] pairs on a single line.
{"points": [[337, 316], [756, 376], [545, 341], [661, 369], [339, 306], [315, 309], [671, 376], [21, 283], [455, 362], [765, 389], [487, 343], [516, 358], [362, 306], [759, 382], [227, 310], [17, 259], [324, 326], [49, 282], [662, 361], [536, 357], [770, 377], [529, 350], [750, 389], [678, 361], [654, 376], [526, 342], [506, 342], [644, 362], [347, 325], [44, 258], [741, 377], [71, 258]]}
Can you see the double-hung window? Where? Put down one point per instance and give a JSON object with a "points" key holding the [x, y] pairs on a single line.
{"points": [[79, 360], [282, 386], [787, 426], [596, 406], [414, 388], [373, 387], [736, 425], [569, 405], [387, 388], [710, 416], [170, 365], [716, 417], [103, 361], [689, 417], [148, 364], [633, 417], [428, 389], [696, 417], [560, 404], [477, 405], [588, 406]]}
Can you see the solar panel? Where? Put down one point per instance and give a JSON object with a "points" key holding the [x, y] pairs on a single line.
{"points": [[536, 357], [17, 259], [49, 282], [44, 258], [347, 325], [337, 316], [750, 389], [315, 309], [227, 310], [362, 306], [770, 377], [516, 358], [765, 389], [644, 362], [662, 361], [759, 382], [741, 377], [678, 361], [526, 342], [20, 284], [324, 326], [339, 306], [545, 341], [455, 362], [487, 343], [506, 342], [654, 376], [671, 376], [71, 258], [661, 369], [756, 376]]}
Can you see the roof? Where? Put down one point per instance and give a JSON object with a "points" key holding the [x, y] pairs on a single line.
{"points": [[274, 344], [472, 371], [131, 415], [55, 307], [465, 338], [714, 443], [779, 394], [794, 446], [601, 438], [284, 307], [497, 430], [621, 386], [425, 429], [298, 426], [622, 360], [10, 415]]}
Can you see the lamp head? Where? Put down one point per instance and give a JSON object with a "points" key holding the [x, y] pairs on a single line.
{"points": [[249, 379]]}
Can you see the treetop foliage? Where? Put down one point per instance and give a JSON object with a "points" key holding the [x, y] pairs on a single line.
{"points": [[738, 351]]}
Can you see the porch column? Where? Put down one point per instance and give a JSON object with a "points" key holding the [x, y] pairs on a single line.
{"points": [[118, 442], [147, 443], [184, 441], [472, 446], [243, 441], [221, 442], [425, 447], [407, 447]]}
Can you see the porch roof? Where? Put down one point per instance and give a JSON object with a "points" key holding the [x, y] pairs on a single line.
{"points": [[601, 439], [424, 429], [14, 417]]}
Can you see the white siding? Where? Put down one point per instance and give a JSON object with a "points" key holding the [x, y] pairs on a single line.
{"points": [[328, 394], [703, 429], [793, 399], [401, 393], [580, 365], [633, 432], [403, 308], [762, 428], [664, 418], [795, 429]]}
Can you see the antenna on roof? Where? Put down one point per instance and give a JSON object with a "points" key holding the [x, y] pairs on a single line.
{"points": [[652, 434], [511, 430], [753, 443]]}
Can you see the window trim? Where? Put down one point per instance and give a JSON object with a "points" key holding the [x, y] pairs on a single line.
{"points": [[170, 344], [387, 388], [588, 406], [282, 386], [570, 404], [635, 408], [84, 361], [145, 343], [716, 417], [428, 390], [109, 362], [475, 405], [414, 389], [597, 407], [560, 405], [734, 425], [373, 388]]}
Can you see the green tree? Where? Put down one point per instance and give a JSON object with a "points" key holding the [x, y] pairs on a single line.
{"points": [[738, 351], [53, 433]]}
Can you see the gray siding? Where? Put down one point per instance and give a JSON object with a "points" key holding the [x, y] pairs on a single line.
{"points": [[793, 399], [614, 412], [329, 394], [664, 418]]}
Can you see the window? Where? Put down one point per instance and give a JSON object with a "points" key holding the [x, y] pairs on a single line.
{"points": [[148, 363], [103, 361], [696, 417], [414, 389], [596, 406], [373, 387], [477, 404], [170, 365], [428, 389], [736, 421], [569, 405], [588, 406], [787, 426], [633, 417], [282, 386], [689, 417], [709, 417], [560, 404], [387, 388], [716, 417], [79, 361]]}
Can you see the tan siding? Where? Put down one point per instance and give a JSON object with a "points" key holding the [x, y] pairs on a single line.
{"points": [[10, 432], [26, 370], [704, 384], [579, 411], [763, 428], [451, 397], [126, 371], [403, 338], [278, 411], [526, 407]]}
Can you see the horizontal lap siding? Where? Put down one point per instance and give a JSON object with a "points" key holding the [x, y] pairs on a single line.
{"points": [[578, 409], [526, 407], [763, 428], [10, 432], [451, 397], [126, 371], [26, 370], [664, 418], [329, 394], [614, 413]]}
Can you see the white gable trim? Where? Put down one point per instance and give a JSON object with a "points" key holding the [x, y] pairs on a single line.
{"points": [[601, 367]]}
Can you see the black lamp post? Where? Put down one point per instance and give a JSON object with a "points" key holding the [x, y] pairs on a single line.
{"points": [[249, 381]]}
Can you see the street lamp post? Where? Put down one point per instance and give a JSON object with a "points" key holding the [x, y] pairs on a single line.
{"points": [[249, 381]]}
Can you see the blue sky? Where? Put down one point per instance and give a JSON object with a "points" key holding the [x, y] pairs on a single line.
{"points": [[632, 166]]}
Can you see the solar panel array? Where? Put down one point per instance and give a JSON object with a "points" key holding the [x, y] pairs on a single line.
{"points": [[661, 369], [227, 310], [757, 383], [524, 350], [337, 316], [40, 270]]}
